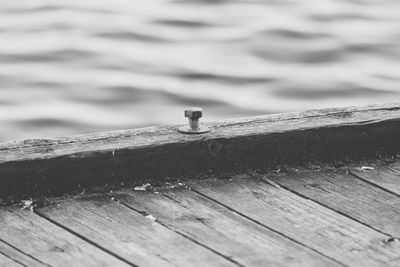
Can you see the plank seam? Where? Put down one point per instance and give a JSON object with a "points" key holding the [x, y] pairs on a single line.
{"points": [[185, 236], [330, 208], [7, 256], [372, 183], [85, 239], [22, 252], [271, 229], [393, 169]]}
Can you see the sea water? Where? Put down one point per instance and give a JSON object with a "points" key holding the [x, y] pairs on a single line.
{"points": [[74, 66]]}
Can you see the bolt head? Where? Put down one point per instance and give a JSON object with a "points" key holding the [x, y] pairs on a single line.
{"points": [[193, 113]]}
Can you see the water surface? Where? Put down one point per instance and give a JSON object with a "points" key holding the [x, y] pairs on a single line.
{"points": [[69, 66]]}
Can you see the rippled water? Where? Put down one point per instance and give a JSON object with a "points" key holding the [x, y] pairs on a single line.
{"points": [[75, 66]]}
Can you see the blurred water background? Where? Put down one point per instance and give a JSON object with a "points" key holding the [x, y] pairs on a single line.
{"points": [[78, 66]]}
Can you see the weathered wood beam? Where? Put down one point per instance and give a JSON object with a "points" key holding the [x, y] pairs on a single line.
{"points": [[154, 153]]}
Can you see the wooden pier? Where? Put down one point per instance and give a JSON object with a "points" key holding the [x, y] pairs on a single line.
{"points": [[318, 188]]}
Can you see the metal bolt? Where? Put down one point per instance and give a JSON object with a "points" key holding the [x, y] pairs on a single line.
{"points": [[194, 127]]}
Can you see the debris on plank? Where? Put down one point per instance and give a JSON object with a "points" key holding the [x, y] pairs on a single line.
{"points": [[143, 187], [151, 217], [366, 168], [27, 204], [313, 166], [391, 240]]}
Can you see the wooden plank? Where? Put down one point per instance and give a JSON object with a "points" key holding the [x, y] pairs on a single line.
{"points": [[395, 166], [140, 240], [382, 176], [305, 221], [8, 262], [346, 194], [18, 256], [34, 236], [239, 239], [156, 152]]}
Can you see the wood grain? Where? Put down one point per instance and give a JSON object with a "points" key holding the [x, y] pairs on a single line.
{"points": [[305, 221], [19, 256], [154, 153], [126, 233], [395, 166], [230, 234], [346, 194], [382, 176], [8, 262], [45, 243]]}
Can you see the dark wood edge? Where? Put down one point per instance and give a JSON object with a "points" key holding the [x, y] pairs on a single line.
{"points": [[156, 153]]}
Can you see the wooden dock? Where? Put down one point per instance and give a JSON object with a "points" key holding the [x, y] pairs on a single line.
{"points": [[333, 201]]}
